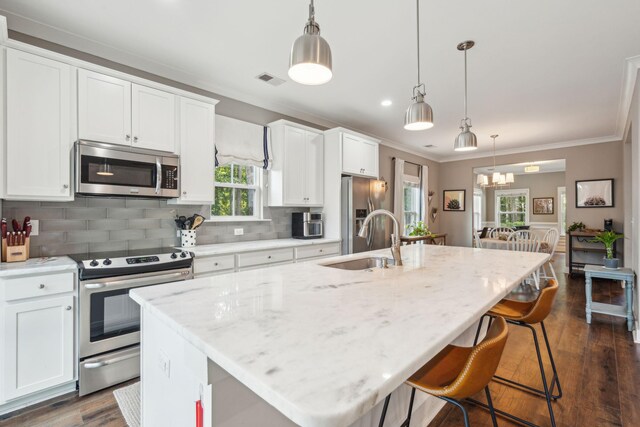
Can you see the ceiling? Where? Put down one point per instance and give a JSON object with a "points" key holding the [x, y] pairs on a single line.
{"points": [[546, 166], [542, 72]]}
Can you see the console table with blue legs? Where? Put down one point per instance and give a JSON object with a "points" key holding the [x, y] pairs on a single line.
{"points": [[625, 275]]}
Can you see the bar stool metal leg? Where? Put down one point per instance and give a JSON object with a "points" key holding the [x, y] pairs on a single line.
{"points": [[384, 411], [459, 405], [490, 404]]}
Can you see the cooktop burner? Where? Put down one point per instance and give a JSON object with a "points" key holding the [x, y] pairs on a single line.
{"points": [[120, 263]]}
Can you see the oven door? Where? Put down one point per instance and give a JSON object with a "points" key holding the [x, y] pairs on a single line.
{"points": [[109, 318]]}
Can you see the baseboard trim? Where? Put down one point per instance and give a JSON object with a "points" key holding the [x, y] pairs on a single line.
{"points": [[7, 409]]}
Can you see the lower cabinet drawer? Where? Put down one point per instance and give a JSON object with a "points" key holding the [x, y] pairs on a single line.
{"points": [[37, 286], [249, 259], [213, 263], [314, 251]]}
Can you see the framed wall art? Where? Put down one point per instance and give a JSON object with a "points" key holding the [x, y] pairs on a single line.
{"points": [[594, 193], [543, 205], [453, 200]]}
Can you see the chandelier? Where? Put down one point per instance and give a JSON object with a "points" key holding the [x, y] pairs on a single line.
{"points": [[497, 179]]}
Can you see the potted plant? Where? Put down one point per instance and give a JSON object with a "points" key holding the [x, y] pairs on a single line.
{"points": [[576, 226], [420, 229], [608, 238]]}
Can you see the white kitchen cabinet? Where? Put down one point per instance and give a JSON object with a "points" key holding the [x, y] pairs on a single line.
{"points": [[39, 128], [311, 252], [197, 152], [117, 111], [296, 177], [38, 345], [153, 118], [359, 156], [104, 108]]}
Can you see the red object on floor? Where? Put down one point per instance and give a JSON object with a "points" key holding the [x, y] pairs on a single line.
{"points": [[199, 414]]}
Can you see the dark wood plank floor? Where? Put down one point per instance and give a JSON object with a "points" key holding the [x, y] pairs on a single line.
{"points": [[599, 367]]}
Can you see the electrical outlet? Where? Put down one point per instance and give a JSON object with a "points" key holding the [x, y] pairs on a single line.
{"points": [[238, 231], [35, 227], [164, 363]]}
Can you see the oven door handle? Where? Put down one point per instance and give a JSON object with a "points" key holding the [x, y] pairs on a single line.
{"points": [[101, 363], [156, 279], [158, 175]]}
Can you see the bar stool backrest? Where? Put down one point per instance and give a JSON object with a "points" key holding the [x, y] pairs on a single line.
{"points": [[496, 232], [543, 305], [482, 363], [524, 241]]}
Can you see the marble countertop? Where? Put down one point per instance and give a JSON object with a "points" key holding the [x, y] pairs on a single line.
{"points": [[324, 345], [254, 245], [37, 266]]}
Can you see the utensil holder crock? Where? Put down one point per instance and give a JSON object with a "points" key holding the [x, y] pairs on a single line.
{"points": [[187, 238]]}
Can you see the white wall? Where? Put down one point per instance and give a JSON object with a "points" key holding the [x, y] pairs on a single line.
{"points": [[634, 140]]}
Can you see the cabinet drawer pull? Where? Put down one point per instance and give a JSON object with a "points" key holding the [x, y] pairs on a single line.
{"points": [[215, 263], [269, 257], [320, 250], [184, 192], [127, 137], [41, 286], [65, 186], [135, 139], [68, 308]]}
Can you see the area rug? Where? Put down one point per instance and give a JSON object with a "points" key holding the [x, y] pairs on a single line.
{"points": [[128, 399]]}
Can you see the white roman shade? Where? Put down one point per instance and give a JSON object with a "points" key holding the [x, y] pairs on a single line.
{"points": [[241, 143]]}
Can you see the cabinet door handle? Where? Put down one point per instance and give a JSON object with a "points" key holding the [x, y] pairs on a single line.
{"points": [[215, 264], [135, 139], [41, 286], [68, 308], [269, 257], [65, 186], [127, 137], [184, 193], [320, 250]]}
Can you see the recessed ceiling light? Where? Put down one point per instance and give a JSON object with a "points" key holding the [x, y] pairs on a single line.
{"points": [[386, 102]]}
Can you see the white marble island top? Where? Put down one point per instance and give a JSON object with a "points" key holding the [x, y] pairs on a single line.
{"points": [[324, 345], [254, 245]]}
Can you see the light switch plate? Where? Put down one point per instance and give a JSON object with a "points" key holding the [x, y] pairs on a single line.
{"points": [[238, 231], [164, 363]]}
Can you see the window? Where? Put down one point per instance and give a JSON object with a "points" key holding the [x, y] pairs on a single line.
{"points": [[237, 192], [512, 207], [477, 209], [412, 200]]}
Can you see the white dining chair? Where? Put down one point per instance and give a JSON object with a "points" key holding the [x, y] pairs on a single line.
{"points": [[550, 238], [525, 241], [477, 243], [496, 232]]}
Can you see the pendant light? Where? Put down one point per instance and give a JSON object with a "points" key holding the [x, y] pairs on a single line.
{"points": [[310, 58], [466, 140], [419, 115]]}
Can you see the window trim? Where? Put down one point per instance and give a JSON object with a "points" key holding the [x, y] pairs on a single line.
{"points": [[258, 201], [511, 192], [419, 214]]}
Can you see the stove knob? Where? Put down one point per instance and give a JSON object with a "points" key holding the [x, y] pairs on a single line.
{"points": [[107, 261], [174, 255], [183, 255], [93, 263]]}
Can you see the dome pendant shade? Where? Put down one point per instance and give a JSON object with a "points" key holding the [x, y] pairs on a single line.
{"points": [[310, 58], [419, 115], [466, 140]]}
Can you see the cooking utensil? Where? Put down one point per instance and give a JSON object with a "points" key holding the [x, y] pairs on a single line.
{"points": [[197, 221], [180, 220], [187, 224]]}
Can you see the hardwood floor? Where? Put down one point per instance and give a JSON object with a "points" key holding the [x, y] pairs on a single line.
{"points": [[599, 367]]}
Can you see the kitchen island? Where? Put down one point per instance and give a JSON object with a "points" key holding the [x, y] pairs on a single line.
{"points": [[311, 345]]}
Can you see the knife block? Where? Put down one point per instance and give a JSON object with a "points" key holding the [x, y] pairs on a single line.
{"points": [[15, 253]]}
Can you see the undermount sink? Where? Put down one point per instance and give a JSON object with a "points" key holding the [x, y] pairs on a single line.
{"points": [[361, 263]]}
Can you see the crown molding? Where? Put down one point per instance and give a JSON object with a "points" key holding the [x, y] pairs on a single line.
{"points": [[530, 149]]}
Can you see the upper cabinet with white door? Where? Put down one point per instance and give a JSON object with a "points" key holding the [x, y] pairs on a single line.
{"points": [[296, 177], [359, 155], [197, 152], [117, 111], [40, 110]]}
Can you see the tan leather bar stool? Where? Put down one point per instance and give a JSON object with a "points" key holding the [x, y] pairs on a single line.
{"points": [[459, 372], [527, 314]]}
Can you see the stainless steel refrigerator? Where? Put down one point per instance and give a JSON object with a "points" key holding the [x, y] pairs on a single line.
{"points": [[358, 199]]}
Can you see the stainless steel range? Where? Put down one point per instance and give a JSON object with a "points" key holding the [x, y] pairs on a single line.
{"points": [[109, 321]]}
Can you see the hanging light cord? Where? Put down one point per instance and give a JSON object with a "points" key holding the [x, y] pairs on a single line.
{"points": [[465, 90], [418, 36], [312, 12]]}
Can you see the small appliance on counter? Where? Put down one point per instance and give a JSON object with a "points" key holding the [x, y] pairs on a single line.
{"points": [[306, 225], [15, 244], [109, 320]]}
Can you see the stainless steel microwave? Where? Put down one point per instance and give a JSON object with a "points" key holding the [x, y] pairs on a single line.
{"points": [[107, 169]]}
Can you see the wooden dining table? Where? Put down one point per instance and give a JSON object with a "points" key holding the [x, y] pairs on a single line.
{"points": [[431, 239], [493, 243]]}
